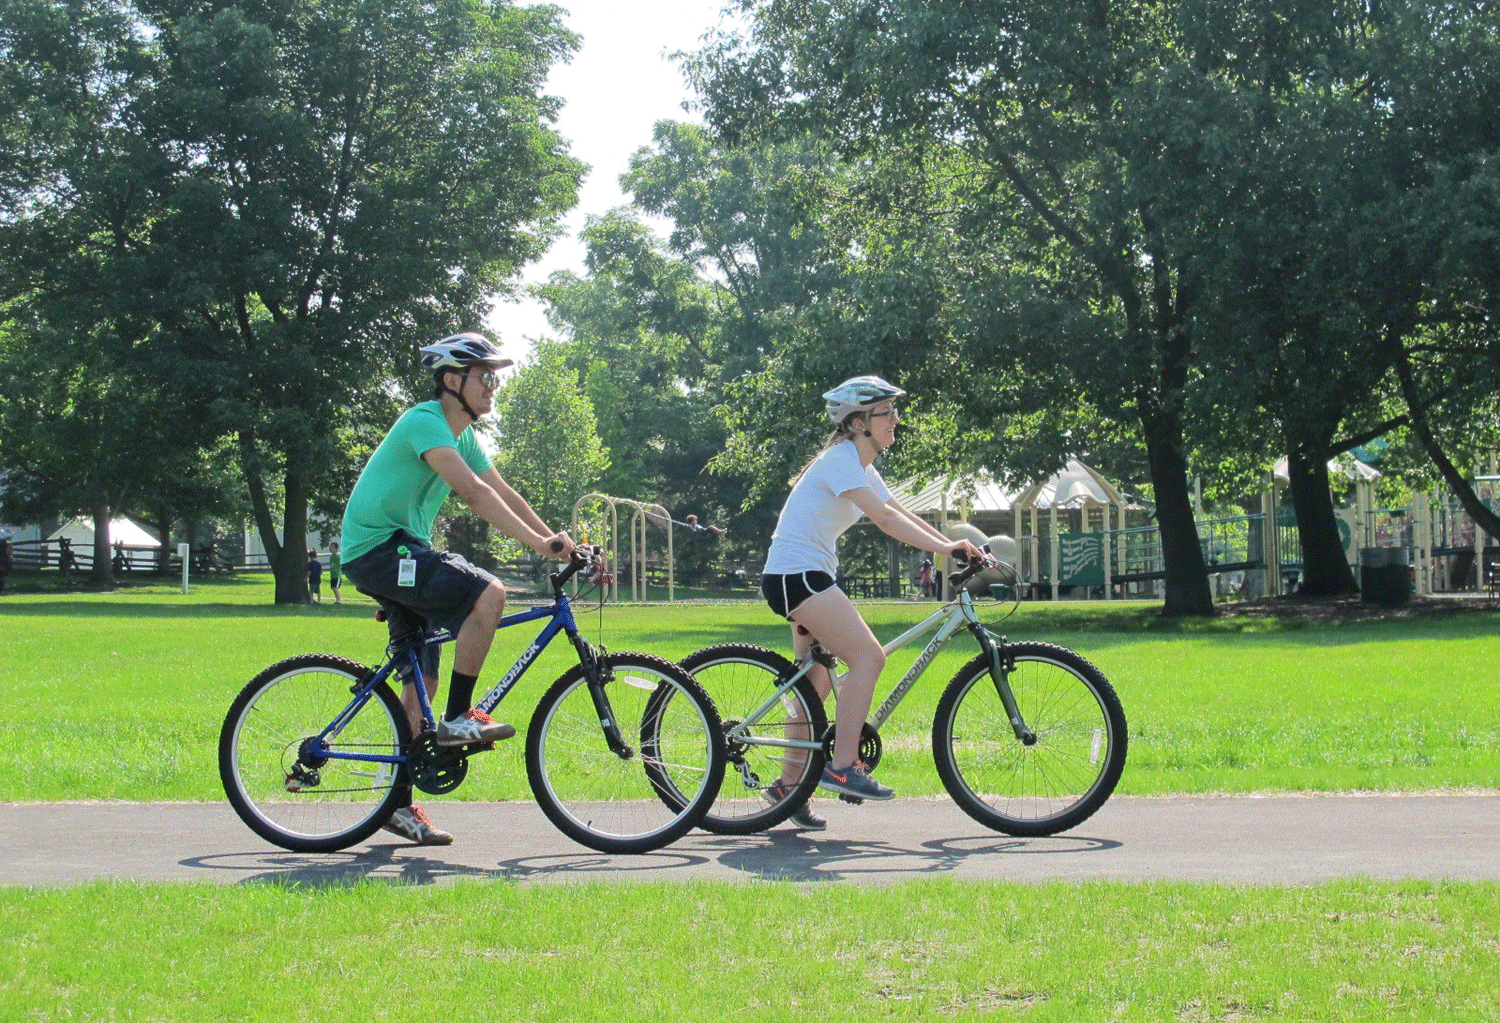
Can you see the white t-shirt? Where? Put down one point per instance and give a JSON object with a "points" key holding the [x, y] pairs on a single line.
{"points": [[816, 513]]}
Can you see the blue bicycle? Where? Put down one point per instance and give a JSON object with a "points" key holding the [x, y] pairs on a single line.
{"points": [[316, 752]]}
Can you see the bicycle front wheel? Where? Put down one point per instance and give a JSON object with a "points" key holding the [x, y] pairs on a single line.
{"points": [[740, 678], [610, 798], [1065, 768], [276, 783]]}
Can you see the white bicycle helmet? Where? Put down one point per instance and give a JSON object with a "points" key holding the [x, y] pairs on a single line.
{"points": [[858, 394], [460, 351]]}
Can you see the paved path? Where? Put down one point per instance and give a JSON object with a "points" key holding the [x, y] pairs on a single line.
{"points": [[1241, 840]]}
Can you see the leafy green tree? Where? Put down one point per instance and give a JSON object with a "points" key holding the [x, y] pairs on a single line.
{"points": [[86, 435], [546, 437], [647, 337], [1033, 106], [1198, 216], [283, 197]]}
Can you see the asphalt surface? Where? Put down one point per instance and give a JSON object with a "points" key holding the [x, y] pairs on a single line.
{"points": [[1240, 840]]}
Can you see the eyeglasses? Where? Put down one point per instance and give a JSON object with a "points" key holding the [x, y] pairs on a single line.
{"points": [[893, 413], [490, 379]]}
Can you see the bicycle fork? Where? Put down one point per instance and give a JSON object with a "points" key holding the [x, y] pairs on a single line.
{"points": [[1001, 665], [596, 677]]}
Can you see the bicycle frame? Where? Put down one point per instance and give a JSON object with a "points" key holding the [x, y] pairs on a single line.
{"points": [[408, 654], [947, 620]]}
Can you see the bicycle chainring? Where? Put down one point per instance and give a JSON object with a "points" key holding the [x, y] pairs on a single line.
{"points": [[436, 769], [869, 746]]}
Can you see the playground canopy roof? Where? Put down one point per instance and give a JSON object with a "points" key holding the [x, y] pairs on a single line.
{"points": [[1075, 485]]}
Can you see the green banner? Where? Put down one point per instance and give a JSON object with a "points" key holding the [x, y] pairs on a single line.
{"points": [[1080, 559]]}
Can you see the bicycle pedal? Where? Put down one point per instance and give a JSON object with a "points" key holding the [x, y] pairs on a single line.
{"points": [[856, 800]]}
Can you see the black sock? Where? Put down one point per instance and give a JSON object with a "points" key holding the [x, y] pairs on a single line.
{"points": [[460, 695]]}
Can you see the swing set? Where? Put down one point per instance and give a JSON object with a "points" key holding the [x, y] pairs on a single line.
{"points": [[641, 512]]}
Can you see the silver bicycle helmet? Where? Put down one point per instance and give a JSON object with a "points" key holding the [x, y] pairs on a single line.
{"points": [[460, 351], [858, 394]]}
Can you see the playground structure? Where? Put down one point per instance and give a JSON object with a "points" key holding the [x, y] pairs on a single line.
{"points": [[605, 531], [1077, 534]]}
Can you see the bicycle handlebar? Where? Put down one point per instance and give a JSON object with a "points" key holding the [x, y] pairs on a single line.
{"points": [[972, 568], [584, 554]]}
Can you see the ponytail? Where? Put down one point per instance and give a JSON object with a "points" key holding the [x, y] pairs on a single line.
{"points": [[842, 433]]}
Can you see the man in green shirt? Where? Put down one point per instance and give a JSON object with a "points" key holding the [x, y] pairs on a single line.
{"points": [[387, 538]]}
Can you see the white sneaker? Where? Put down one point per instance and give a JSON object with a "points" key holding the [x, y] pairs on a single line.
{"points": [[474, 726], [411, 823]]}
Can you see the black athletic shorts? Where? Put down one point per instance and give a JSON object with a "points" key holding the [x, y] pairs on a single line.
{"points": [[785, 592], [444, 592]]}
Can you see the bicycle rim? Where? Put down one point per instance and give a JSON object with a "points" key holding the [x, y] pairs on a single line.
{"points": [[609, 800], [344, 801]]}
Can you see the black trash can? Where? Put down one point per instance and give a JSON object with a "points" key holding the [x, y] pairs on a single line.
{"points": [[1385, 575]]}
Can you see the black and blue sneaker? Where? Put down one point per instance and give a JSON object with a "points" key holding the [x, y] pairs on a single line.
{"points": [[854, 781]]}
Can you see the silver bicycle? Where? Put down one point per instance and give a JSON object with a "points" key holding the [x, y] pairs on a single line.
{"points": [[1029, 738]]}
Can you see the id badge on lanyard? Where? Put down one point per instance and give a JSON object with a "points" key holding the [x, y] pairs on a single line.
{"points": [[406, 568]]}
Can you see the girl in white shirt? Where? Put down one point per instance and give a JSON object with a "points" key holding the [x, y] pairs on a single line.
{"points": [[829, 496]]}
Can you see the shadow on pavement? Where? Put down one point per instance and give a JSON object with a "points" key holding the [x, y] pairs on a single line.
{"points": [[804, 856], [774, 856]]}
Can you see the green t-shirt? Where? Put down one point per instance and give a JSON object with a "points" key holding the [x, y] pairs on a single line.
{"points": [[398, 489]]}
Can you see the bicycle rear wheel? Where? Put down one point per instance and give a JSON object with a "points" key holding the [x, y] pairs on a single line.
{"points": [[610, 799], [287, 795], [739, 678], [1052, 784]]}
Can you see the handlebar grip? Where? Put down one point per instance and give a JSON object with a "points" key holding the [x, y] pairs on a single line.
{"points": [[557, 545]]}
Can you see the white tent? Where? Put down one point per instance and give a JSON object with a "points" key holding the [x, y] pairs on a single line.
{"points": [[81, 533]]}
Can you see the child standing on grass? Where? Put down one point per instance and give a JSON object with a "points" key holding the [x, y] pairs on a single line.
{"points": [[314, 578], [335, 572]]}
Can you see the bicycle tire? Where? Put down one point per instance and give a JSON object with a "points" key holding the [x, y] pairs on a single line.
{"points": [[611, 802], [259, 744], [739, 677], [1065, 776]]}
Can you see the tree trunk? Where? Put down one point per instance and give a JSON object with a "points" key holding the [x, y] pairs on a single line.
{"points": [[1325, 568], [1471, 502], [103, 570], [164, 552], [1188, 592], [291, 562]]}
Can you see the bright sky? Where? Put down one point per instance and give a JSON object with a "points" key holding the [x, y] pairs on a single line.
{"points": [[619, 84]]}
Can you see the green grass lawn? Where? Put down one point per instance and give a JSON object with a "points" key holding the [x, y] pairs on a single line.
{"points": [[1347, 951], [120, 696], [1231, 705]]}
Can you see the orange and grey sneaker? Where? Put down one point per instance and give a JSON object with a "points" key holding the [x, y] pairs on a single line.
{"points": [[803, 816], [411, 823], [474, 726], [854, 781]]}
